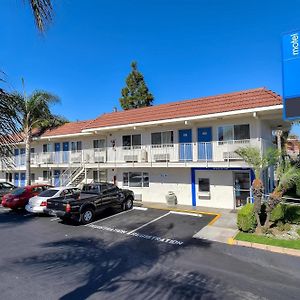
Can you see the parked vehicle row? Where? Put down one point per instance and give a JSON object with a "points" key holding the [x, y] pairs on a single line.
{"points": [[69, 202]]}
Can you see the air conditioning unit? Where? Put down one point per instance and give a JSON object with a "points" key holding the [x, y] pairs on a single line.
{"points": [[231, 155], [161, 157], [46, 158], [76, 157], [99, 159], [130, 158]]}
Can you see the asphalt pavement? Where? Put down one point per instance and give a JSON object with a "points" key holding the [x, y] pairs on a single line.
{"points": [[139, 254]]}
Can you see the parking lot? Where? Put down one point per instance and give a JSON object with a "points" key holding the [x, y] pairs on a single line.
{"points": [[138, 254], [171, 227]]}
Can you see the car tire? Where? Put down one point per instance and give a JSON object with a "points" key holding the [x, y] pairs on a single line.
{"points": [[87, 215], [127, 204]]}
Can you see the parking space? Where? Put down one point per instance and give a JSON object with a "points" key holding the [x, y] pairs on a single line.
{"points": [[170, 227]]}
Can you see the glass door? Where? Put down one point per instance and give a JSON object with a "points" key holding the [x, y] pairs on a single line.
{"points": [[242, 186]]}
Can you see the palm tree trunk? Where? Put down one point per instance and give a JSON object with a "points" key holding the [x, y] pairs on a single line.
{"points": [[27, 156]]}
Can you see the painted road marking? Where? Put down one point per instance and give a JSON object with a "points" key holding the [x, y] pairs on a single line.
{"points": [[138, 235], [140, 208], [186, 214], [101, 220], [152, 221], [54, 219]]}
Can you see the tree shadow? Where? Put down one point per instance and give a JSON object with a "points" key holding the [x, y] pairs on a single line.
{"points": [[129, 267], [14, 217]]}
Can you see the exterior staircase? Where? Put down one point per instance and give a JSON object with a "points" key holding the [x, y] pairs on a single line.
{"points": [[73, 176]]}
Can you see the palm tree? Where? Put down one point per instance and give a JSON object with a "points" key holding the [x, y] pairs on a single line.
{"points": [[253, 157], [34, 112], [42, 11], [288, 176]]}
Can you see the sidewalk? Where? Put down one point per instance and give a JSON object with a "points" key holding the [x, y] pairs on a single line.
{"points": [[222, 228]]}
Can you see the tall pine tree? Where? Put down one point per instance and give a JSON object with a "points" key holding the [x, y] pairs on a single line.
{"points": [[136, 93]]}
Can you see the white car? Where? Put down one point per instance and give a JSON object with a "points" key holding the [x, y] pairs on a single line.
{"points": [[38, 204]]}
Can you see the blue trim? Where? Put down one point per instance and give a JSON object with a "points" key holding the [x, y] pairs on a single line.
{"points": [[193, 177]]}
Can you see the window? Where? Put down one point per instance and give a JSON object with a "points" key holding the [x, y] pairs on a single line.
{"points": [[162, 138], [100, 176], [32, 176], [46, 175], [46, 148], [76, 146], [99, 144], [233, 132], [133, 141], [203, 185], [136, 179]]}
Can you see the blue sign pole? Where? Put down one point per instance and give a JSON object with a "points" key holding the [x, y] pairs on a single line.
{"points": [[291, 75]]}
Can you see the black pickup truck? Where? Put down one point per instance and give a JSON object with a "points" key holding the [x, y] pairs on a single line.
{"points": [[93, 198]]}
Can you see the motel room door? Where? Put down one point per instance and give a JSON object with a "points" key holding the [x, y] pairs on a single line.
{"points": [[205, 143], [242, 187], [185, 145]]}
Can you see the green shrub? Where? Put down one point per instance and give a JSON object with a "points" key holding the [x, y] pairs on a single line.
{"points": [[246, 220], [278, 213], [292, 214]]}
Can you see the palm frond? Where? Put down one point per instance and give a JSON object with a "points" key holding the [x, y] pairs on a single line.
{"points": [[42, 11]]}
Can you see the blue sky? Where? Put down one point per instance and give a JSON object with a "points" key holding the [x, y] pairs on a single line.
{"points": [[185, 49]]}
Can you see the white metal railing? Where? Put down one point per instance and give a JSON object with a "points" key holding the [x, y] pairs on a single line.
{"points": [[214, 151]]}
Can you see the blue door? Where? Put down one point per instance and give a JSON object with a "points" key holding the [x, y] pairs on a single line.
{"points": [[23, 177], [65, 152], [57, 153], [16, 179], [185, 145], [22, 153], [205, 143], [56, 177], [17, 162]]}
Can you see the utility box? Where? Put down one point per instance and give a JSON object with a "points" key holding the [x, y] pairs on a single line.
{"points": [[171, 198]]}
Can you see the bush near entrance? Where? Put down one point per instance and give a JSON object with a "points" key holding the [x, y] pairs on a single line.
{"points": [[286, 213], [246, 219]]}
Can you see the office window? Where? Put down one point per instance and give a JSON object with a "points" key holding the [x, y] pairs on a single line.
{"points": [[136, 179], [99, 144], [132, 141], [204, 185], [233, 132], [76, 146], [162, 138]]}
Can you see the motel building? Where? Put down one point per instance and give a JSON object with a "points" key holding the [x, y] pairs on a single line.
{"points": [[187, 147]]}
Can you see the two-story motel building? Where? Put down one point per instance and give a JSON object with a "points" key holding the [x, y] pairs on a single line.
{"points": [[187, 147]]}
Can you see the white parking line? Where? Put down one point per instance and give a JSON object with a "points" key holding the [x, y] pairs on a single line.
{"points": [[149, 223], [186, 214], [140, 208], [98, 221], [54, 219]]}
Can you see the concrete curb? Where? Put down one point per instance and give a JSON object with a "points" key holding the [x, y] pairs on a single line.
{"points": [[270, 248]]}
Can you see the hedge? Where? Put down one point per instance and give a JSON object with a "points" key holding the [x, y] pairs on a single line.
{"points": [[246, 220]]}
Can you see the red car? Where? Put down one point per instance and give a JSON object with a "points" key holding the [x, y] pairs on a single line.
{"points": [[19, 197]]}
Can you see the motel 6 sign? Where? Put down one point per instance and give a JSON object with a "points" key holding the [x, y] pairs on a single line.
{"points": [[291, 75]]}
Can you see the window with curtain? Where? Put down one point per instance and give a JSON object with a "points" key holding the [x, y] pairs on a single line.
{"points": [[164, 138]]}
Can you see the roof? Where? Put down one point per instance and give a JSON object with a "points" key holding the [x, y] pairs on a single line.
{"points": [[255, 98], [68, 128]]}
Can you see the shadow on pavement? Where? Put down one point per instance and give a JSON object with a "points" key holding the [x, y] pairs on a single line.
{"points": [[130, 267]]}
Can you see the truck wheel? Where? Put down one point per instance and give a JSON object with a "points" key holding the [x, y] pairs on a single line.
{"points": [[87, 215], [127, 204]]}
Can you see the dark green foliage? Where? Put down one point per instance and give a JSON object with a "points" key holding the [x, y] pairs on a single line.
{"points": [[246, 220], [136, 93], [278, 213], [292, 214]]}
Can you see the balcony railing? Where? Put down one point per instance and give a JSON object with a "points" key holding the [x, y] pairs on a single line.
{"points": [[215, 151]]}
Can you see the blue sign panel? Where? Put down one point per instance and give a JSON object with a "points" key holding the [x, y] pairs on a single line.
{"points": [[291, 75]]}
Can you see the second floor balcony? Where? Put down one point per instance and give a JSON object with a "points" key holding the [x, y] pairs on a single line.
{"points": [[176, 153]]}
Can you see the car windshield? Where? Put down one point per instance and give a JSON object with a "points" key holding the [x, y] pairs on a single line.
{"points": [[18, 191], [48, 193]]}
